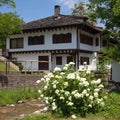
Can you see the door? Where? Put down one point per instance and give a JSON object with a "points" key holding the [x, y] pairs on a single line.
{"points": [[43, 63]]}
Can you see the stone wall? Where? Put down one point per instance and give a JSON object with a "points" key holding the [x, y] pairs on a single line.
{"points": [[18, 81]]}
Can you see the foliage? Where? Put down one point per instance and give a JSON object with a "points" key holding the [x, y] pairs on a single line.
{"points": [[10, 3], [111, 111], [108, 11], [70, 93], [8, 96], [81, 9], [9, 23]]}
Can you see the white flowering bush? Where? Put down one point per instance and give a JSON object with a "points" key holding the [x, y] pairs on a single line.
{"points": [[72, 93]]}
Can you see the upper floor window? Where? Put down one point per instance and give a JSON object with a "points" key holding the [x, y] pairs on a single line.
{"points": [[16, 43], [86, 39], [36, 40], [62, 38], [96, 41]]}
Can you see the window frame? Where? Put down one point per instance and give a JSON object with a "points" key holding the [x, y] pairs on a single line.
{"points": [[36, 40], [15, 43], [62, 38], [58, 60]]}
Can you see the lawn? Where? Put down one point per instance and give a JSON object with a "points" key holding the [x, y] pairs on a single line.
{"points": [[110, 112], [3, 67], [9, 96]]}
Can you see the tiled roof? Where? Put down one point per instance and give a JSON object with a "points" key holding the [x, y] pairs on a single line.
{"points": [[56, 21]]}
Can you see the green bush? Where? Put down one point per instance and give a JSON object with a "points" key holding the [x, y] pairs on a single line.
{"points": [[72, 93]]}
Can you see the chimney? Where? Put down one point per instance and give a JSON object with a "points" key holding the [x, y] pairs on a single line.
{"points": [[57, 10]]}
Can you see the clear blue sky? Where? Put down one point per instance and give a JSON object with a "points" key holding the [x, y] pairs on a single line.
{"points": [[31, 10], [36, 9]]}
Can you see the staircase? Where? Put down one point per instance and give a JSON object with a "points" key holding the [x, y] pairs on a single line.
{"points": [[10, 63]]}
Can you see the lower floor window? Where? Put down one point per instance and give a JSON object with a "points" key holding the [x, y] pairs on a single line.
{"points": [[59, 60], [84, 59], [69, 59]]}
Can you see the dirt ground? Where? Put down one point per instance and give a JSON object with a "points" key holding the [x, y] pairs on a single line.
{"points": [[19, 110]]}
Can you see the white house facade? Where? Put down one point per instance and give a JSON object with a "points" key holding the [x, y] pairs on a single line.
{"points": [[54, 41]]}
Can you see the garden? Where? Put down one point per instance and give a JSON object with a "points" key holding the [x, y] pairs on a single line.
{"points": [[68, 94]]}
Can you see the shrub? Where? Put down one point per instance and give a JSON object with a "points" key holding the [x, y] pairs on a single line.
{"points": [[71, 93]]}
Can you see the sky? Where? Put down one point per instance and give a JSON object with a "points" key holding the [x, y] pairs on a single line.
{"points": [[31, 10]]}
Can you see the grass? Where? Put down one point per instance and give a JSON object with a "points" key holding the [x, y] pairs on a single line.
{"points": [[111, 111], [8, 96], [3, 67]]}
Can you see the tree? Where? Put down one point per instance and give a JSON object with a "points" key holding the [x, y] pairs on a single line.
{"points": [[11, 3], [10, 23], [108, 11], [81, 9]]}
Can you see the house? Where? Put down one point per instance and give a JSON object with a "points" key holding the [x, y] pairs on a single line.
{"points": [[57, 39]]}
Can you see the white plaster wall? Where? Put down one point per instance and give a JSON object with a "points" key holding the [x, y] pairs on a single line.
{"points": [[64, 60], [89, 47], [31, 57], [48, 41]]}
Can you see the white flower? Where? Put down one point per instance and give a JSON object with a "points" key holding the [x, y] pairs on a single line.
{"points": [[65, 68], [45, 87], [67, 93], [95, 94], [85, 63], [70, 103], [42, 79], [54, 86], [96, 82], [62, 98], [71, 63], [71, 76], [65, 84], [62, 73], [47, 79], [70, 98], [91, 97], [54, 106], [57, 91], [83, 79], [96, 90], [38, 81], [57, 69], [73, 116], [84, 92], [57, 76], [39, 91], [85, 83], [77, 95], [101, 86], [90, 105], [74, 92], [50, 75]]}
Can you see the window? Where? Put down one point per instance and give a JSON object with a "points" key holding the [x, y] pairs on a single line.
{"points": [[16, 43], [97, 42], [36, 40], [59, 60], [69, 59], [62, 38], [86, 39], [43, 62], [84, 59]]}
